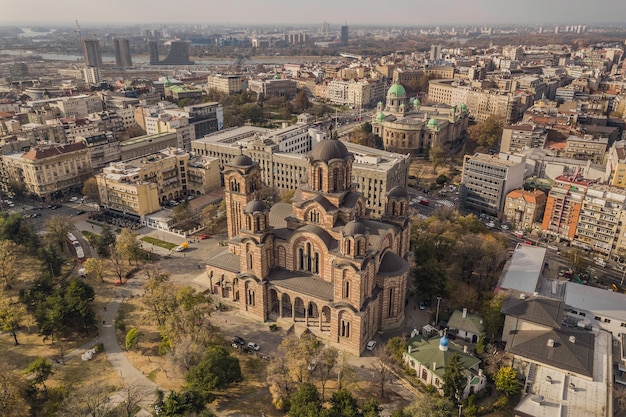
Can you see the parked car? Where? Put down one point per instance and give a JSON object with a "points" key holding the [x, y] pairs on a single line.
{"points": [[253, 346], [422, 305], [203, 237], [504, 226], [371, 345], [239, 340], [73, 199], [518, 234], [491, 225], [600, 262], [182, 247]]}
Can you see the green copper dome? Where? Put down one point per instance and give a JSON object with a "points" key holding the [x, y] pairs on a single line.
{"points": [[433, 122], [380, 117], [463, 107], [276, 76], [396, 90], [417, 102]]}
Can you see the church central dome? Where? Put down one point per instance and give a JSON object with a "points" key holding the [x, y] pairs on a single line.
{"points": [[329, 149], [396, 90]]}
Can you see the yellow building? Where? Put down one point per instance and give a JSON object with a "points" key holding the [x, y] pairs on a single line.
{"points": [[46, 171], [171, 173], [122, 189]]}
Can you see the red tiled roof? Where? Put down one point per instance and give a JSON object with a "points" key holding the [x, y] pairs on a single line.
{"points": [[41, 152]]}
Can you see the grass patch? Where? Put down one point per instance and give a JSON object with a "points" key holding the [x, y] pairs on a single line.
{"points": [[158, 242], [91, 237], [152, 375]]}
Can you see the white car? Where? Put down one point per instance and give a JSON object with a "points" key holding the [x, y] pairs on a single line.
{"points": [[73, 199], [504, 227], [253, 346], [371, 345], [491, 225]]}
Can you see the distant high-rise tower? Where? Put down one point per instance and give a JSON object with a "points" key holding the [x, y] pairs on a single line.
{"points": [[91, 52], [122, 53], [18, 71], [179, 54], [153, 46], [344, 35]]}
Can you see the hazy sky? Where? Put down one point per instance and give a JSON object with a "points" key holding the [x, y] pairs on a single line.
{"points": [[354, 12]]}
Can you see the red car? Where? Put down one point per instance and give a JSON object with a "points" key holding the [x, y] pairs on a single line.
{"points": [[203, 237]]}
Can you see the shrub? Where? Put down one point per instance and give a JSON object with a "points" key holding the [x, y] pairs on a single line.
{"points": [[132, 338], [442, 179], [273, 327], [98, 347]]}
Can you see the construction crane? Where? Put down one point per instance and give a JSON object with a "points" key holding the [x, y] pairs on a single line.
{"points": [[77, 30]]}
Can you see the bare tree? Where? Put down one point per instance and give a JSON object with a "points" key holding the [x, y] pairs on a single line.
{"points": [[12, 383], [133, 395], [91, 400], [382, 373], [8, 263], [326, 363]]}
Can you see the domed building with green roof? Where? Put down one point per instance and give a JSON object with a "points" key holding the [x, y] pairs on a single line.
{"points": [[408, 126]]}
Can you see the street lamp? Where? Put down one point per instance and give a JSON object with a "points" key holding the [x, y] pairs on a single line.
{"points": [[460, 408], [437, 316]]}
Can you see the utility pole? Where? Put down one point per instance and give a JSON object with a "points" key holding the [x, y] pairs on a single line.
{"points": [[437, 316]]}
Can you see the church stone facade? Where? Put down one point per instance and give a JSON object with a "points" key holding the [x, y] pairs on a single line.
{"points": [[320, 263]]}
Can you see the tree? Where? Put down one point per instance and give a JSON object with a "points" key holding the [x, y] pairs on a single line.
{"points": [[305, 402], [104, 242], [184, 403], [90, 400], [301, 102], [326, 363], [132, 339], [8, 263], [436, 156], [493, 319], [218, 369], [396, 346], [208, 216], [11, 316], [40, 369], [94, 266], [57, 228], [487, 133], [12, 384], [453, 379], [126, 244], [90, 189], [382, 374], [343, 404], [578, 260], [431, 406], [286, 196], [506, 381], [116, 264]]}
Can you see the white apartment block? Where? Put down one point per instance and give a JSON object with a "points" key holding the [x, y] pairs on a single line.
{"points": [[487, 179]]}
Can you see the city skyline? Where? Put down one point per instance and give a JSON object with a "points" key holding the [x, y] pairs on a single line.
{"points": [[364, 12]]}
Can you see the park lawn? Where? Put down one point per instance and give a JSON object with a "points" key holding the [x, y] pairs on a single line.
{"points": [[159, 242]]}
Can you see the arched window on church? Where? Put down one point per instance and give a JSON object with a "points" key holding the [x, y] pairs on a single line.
{"points": [[300, 258], [257, 224], [335, 179], [390, 303], [346, 289], [319, 178], [345, 328], [348, 247], [249, 261], [250, 298], [359, 247]]}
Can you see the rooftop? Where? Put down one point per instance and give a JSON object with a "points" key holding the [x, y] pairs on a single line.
{"points": [[601, 302], [525, 268]]}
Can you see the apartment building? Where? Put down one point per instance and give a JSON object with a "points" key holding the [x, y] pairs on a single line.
{"points": [[73, 106], [205, 118], [487, 179], [616, 165], [273, 87], [172, 172], [166, 123], [586, 148], [520, 136], [599, 222], [523, 208], [103, 149], [147, 144], [227, 83], [482, 103], [563, 206], [46, 171]]}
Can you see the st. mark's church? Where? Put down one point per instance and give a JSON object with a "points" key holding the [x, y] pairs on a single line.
{"points": [[320, 263]]}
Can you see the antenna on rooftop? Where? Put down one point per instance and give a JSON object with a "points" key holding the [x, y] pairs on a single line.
{"points": [[77, 30]]}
